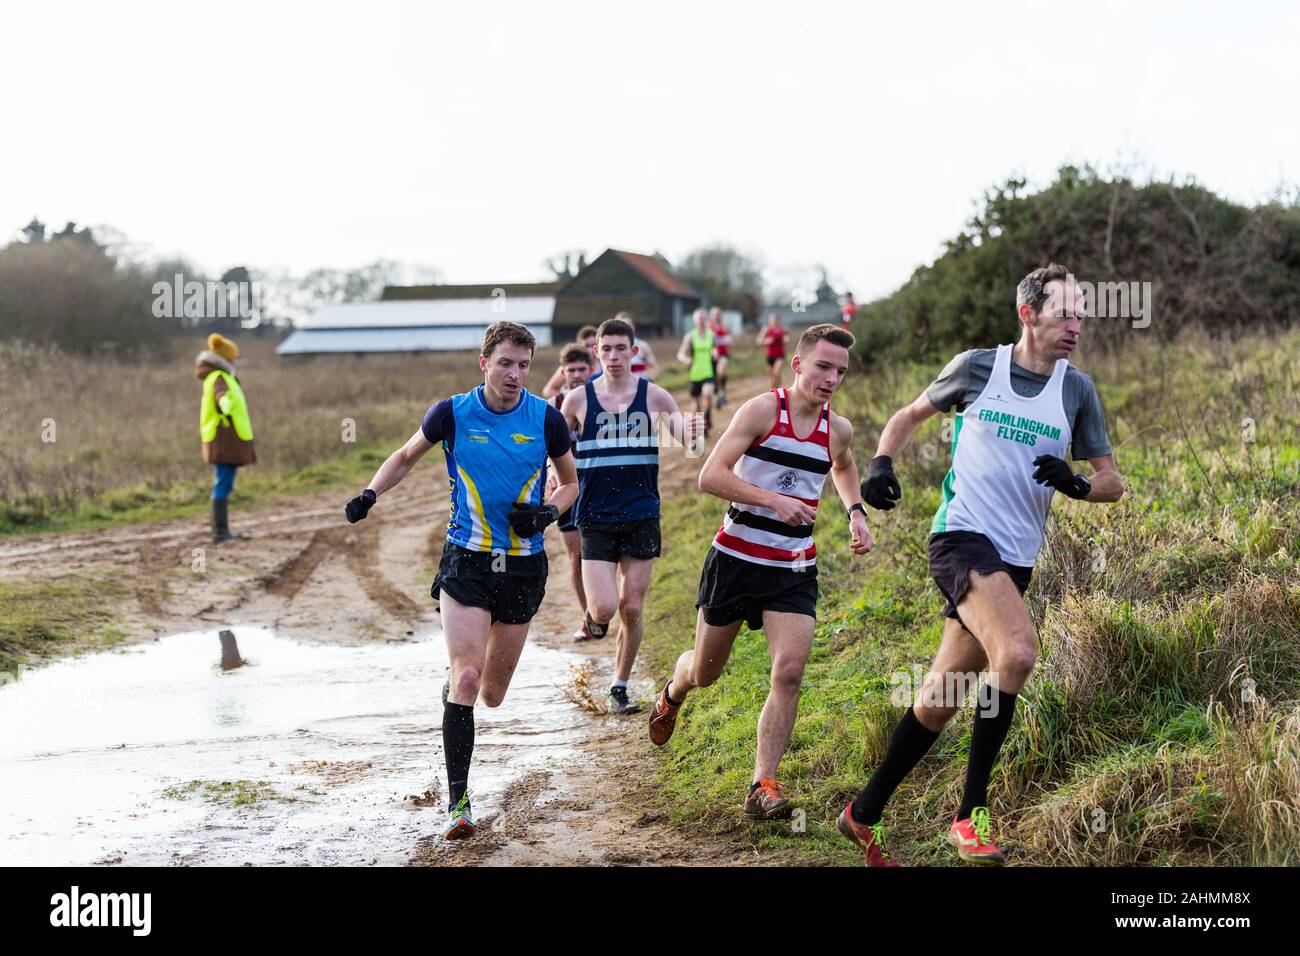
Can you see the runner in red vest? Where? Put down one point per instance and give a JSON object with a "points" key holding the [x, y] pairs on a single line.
{"points": [[773, 339], [848, 310], [771, 465], [721, 352]]}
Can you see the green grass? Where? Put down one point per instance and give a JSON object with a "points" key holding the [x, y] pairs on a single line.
{"points": [[43, 617], [1166, 700], [250, 794]]}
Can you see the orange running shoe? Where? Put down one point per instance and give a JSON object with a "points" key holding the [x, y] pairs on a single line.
{"points": [[971, 838], [870, 838], [663, 718], [767, 802]]}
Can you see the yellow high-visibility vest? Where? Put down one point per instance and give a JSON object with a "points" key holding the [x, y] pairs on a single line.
{"points": [[210, 417]]}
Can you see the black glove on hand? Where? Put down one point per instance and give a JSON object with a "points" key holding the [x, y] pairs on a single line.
{"points": [[880, 488], [528, 520], [1056, 472], [360, 506]]}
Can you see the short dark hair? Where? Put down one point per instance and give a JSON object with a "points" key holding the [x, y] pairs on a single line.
{"points": [[1032, 290], [513, 332], [831, 333], [575, 353], [616, 327], [585, 331]]}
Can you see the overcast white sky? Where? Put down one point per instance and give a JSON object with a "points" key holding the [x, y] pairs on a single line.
{"points": [[481, 138]]}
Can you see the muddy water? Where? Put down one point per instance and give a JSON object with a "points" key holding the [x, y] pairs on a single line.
{"points": [[122, 757]]}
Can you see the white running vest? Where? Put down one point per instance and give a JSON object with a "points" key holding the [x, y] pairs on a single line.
{"points": [[783, 462], [990, 488]]}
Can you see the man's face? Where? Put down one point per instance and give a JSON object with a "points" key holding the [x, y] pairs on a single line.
{"points": [[1057, 324], [821, 370], [589, 343], [506, 369], [615, 353], [700, 317], [715, 316], [575, 374]]}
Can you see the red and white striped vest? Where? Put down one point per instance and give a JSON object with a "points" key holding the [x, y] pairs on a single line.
{"points": [[783, 462], [638, 364]]}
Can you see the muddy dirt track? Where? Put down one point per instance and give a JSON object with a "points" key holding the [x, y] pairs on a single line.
{"points": [[553, 783]]}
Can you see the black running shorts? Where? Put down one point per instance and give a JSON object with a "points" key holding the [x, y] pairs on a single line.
{"points": [[697, 388], [512, 593], [609, 542], [955, 554], [732, 590]]}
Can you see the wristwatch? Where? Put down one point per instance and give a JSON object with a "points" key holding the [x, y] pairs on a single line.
{"points": [[857, 506]]}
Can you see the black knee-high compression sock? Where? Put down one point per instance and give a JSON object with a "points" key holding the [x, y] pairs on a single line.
{"points": [[909, 743], [458, 746], [985, 741]]}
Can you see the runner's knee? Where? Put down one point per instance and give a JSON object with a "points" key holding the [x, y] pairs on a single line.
{"points": [[492, 697], [603, 610], [1015, 661], [466, 681], [787, 675], [629, 608]]}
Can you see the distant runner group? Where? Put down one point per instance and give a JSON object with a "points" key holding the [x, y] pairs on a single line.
{"points": [[585, 455]]}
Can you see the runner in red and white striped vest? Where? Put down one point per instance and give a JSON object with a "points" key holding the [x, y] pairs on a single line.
{"points": [[789, 465], [770, 466]]}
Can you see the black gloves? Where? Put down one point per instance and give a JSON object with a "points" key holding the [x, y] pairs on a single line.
{"points": [[880, 487], [528, 520], [360, 506], [1056, 472]]}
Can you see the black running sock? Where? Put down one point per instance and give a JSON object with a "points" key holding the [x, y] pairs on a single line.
{"points": [[909, 743], [985, 742], [458, 745], [667, 687], [595, 628]]}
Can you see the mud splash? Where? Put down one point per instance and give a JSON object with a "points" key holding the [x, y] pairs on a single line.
{"points": [[310, 754]]}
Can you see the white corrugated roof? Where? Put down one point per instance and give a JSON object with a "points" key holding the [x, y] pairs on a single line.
{"points": [[479, 313], [406, 339]]}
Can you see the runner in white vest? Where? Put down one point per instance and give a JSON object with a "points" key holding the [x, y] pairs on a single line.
{"points": [[1019, 409]]}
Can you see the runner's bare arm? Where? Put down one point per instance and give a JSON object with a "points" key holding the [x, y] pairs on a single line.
{"points": [[566, 492], [665, 411], [684, 353], [902, 425], [751, 422], [400, 462], [553, 384], [844, 473], [574, 408], [1107, 485]]}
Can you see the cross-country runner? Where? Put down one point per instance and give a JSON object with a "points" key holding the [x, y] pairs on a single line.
{"points": [[576, 363], [555, 384], [773, 338], [848, 310], [1020, 408], [617, 419], [697, 351], [497, 439], [771, 465], [721, 351]]}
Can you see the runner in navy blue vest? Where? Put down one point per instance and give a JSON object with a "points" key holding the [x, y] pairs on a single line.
{"points": [[617, 454]]}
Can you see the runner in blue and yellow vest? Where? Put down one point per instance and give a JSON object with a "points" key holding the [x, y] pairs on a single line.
{"points": [[492, 576], [224, 426]]}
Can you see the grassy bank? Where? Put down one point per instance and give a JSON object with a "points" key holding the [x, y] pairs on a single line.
{"points": [[45, 617], [1161, 724]]}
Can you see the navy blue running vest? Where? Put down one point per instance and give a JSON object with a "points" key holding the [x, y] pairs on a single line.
{"points": [[618, 462]]}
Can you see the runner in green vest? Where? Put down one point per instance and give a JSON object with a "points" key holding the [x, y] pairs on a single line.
{"points": [[699, 351], [224, 426]]}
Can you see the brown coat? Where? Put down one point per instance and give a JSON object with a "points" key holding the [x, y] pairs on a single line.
{"points": [[227, 448]]}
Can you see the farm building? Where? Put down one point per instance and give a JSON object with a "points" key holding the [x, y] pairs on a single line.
{"points": [[436, 317], [415, 325], [617, 281]]}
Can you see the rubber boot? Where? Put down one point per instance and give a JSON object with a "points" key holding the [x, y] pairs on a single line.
{"points": [[221, 521]]}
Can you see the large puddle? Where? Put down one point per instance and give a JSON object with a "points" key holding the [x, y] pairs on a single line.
{"points": [[308, 755]]}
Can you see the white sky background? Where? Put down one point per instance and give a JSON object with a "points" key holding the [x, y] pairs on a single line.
{"points": [[482, 138]]}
